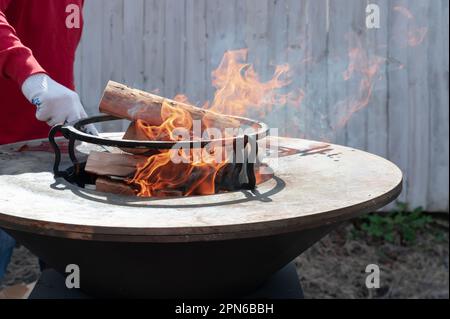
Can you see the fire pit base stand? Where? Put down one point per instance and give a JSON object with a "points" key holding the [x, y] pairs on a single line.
{"points": [[282, 285]]}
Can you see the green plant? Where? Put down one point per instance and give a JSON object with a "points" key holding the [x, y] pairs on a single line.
{"points": [[401, 226]]}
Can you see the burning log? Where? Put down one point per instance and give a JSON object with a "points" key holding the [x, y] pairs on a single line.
{"points": [[107, 185], [107, 164], [168, 193], [134, 134], [125, 102], [113, 170]]}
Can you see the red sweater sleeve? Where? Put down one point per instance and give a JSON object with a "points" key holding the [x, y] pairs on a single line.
{"points": [[16, 60]]}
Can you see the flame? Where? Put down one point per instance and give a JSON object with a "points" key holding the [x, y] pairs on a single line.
{"points": [[404, 11], [239, 91], [173, 118], [363, 68], [416, 35], [160, 175]]}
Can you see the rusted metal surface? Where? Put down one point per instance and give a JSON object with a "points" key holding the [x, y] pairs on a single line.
{"points": [[314, 185]]}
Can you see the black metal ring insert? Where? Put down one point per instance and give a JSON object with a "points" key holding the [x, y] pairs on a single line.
{"points": [[73, 132]]}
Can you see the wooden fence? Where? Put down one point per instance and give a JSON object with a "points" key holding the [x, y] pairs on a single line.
{"points": [[396, 90]]}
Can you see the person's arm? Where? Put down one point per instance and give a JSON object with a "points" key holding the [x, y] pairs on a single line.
{"points": [[16, 60], [55, 103]]}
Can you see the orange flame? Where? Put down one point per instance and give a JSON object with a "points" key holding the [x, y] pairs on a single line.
{"points": [[365, 69], [239, 91], [173, 118], [160, 175]]}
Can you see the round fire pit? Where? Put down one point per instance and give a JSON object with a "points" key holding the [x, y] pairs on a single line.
{"points": [[223, 245]]}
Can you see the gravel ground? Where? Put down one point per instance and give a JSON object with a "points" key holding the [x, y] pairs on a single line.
{"points": [[335, 267]]}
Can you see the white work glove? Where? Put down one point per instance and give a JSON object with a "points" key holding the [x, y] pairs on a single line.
{"points": [[55, 103]]}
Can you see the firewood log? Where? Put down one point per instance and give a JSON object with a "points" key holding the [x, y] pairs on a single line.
{"points": [[135, 134], [107, 185], [107, 164], [132, 104]]}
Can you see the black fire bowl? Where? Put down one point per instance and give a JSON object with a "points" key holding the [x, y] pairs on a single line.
{"points": [[215, 269]]}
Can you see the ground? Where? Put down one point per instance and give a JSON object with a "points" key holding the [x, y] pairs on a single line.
{"points": [[335, 266]]}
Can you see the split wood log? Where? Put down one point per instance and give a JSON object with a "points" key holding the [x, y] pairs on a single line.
{"points": [[107, 164], [134, 134], [107, 185], [124, 102]]}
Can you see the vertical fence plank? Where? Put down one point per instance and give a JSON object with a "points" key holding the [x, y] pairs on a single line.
{"points": [[317, 48], [241, 27], [355, 112], [195, 65], [91, 83], [256, 37], [112, 39], [278, 35], [339, 27], [377, 121], [220, 30], [133, 68], [278, 39], [419, 115], [133, 51], [175, 47], [154, 45], [438, 70], [398, 101], [297, 60], [112, 51]]}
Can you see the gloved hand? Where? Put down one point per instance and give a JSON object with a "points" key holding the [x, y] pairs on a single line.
{"points": [[55, 103]]}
